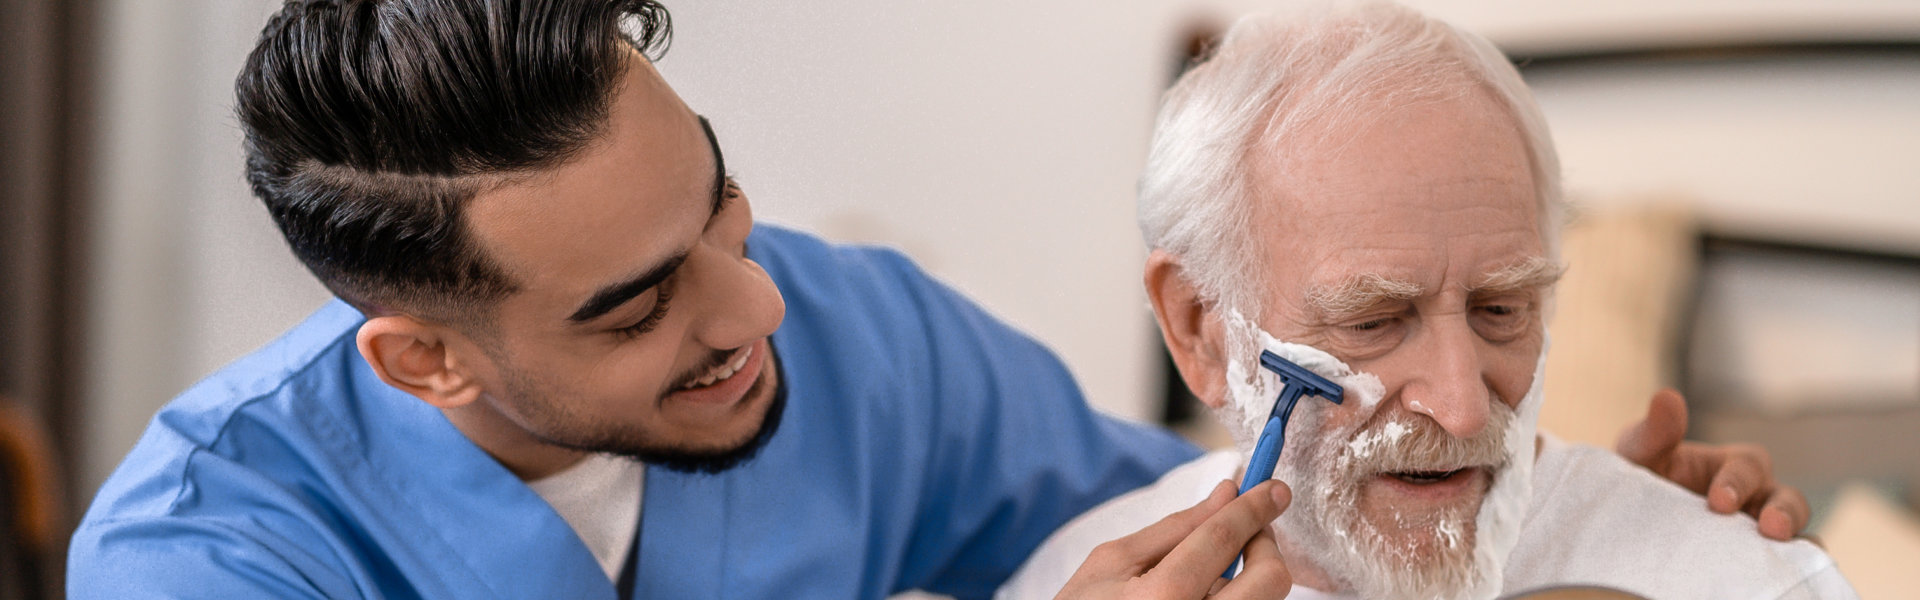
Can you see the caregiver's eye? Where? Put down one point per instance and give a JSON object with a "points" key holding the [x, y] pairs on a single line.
{"points": [[664, 293]]}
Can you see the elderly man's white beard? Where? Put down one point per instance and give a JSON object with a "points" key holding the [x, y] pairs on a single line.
{"points": [[1415, 556]]}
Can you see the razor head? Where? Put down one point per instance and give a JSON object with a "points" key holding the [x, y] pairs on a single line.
{"points": [[1299, 381]]}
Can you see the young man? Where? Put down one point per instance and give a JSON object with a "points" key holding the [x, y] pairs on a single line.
{"points": [[559, 327], [566, 363]]}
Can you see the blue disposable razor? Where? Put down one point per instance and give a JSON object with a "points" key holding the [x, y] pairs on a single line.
{"points": [[1295, 381]]}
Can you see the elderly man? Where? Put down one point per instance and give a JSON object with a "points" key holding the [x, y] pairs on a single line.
{"points": [[1373, 194]]}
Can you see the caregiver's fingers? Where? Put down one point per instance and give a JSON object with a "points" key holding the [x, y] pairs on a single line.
{"points": [[1264, 575], [1197, 561], [1651, 443], [1146, 547], [1784, 514], [1114, 568], [1742, 477]]}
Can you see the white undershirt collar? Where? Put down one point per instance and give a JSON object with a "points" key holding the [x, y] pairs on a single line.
{"points": [[600, 498]]}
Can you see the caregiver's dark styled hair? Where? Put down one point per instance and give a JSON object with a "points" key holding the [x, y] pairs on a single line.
{"points": [[370, 124]]}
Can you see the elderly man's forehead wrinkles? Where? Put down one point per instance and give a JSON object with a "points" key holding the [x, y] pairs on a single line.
{"points": [[1533, 273], [1359, 293]]}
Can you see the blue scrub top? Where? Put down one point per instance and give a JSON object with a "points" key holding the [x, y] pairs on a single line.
{"points": [[925, 445]]}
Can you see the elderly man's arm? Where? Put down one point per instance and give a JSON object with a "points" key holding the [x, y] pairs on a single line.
{"points": [[1732, 476]]}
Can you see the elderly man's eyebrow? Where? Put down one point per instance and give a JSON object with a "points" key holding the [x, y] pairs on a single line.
{"points": [[1534, 272], [1359, 293]]}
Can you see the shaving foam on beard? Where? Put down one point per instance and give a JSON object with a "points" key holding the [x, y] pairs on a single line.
{"points": [[1252, 393], [1504, 508]]}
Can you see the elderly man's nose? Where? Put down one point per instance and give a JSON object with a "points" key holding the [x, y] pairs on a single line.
{"points": [[1451, 389]]}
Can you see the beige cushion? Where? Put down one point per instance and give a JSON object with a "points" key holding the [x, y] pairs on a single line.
{"points": [[1875, 542], [1629, 272]]}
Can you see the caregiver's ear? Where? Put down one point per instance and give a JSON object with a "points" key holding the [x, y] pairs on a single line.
{"points": [[1190, 327]]}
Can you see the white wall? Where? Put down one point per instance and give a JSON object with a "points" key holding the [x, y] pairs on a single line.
{"points": [[996, 141], [189, 272]]}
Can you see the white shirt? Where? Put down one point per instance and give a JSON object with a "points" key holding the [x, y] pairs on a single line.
{"points": [[600, 498], [1595, 519]]}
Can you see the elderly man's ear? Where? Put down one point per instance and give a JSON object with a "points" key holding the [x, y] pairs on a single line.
{"points": [[1190, 327]]}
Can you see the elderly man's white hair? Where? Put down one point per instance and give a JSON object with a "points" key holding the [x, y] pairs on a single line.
{"points": [[1286, 83]]}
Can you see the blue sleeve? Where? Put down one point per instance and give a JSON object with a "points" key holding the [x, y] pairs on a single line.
{"points": [[177, 557], [1016, 449]]}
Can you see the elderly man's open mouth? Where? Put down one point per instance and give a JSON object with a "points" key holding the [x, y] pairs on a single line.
{"points": [[1436, 484]]}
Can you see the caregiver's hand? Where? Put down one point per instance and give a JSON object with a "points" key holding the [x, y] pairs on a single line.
{"points": [[1731, 476], [1183, 555]]}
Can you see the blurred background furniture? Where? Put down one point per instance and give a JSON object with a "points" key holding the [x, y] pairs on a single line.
{"points": [[47, 54], [32, 521]]}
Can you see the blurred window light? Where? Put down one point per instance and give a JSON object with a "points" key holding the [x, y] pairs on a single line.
{"points": [[1786, 329]]}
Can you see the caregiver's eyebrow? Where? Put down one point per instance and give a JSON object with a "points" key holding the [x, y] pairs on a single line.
{"points": [[612, 296], [719, 167]]}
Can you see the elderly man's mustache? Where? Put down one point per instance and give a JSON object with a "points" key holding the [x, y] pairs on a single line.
{"points": [[1419, 450]]}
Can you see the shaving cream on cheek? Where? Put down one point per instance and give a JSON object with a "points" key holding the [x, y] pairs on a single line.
{"points": [[1252, 390]]}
